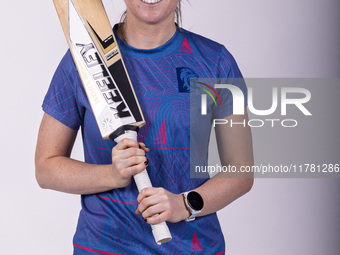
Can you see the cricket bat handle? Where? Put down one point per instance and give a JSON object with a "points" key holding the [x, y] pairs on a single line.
{"points": [[160, 231]]}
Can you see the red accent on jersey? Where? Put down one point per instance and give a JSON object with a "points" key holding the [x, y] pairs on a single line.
{"points": [[195, 244], [161, 136], [186, 48], [97, 251]]}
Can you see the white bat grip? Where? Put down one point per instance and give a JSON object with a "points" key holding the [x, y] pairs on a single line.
{"points": [[160, 231]]}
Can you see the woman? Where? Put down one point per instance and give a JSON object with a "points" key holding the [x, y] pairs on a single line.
{"points": [[159, 57]]}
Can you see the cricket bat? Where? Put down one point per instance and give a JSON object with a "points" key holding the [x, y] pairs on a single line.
{"points": [[105, 79]]}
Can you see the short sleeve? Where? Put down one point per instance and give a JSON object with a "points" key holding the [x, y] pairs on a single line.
{"points": [[61, 100], [229, 73]]}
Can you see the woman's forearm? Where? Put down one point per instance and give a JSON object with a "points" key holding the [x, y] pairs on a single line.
{"points": [[219, 192], [71, 176], [216, 193], [56, 170]]}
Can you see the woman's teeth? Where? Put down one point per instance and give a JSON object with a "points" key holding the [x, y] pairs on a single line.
{"points": [[151, 1]]}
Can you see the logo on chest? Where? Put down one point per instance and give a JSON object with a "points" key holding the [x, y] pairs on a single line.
{"points": [[184, 74]]}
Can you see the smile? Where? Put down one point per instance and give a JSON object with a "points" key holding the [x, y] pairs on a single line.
{"points": [[151, 1]]}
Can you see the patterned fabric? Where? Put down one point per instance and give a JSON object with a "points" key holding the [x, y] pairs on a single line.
{"points": [[107, 222]]}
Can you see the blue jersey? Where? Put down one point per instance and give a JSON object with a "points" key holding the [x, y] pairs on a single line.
{"points": [[107, 222]]}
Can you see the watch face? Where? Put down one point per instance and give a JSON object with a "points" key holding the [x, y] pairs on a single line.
{"points": [[195, 200]]}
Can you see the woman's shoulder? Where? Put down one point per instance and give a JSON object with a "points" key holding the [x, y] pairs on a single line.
{"points": [[201, 43], [66, 72], [67, 68], [67, 63]]}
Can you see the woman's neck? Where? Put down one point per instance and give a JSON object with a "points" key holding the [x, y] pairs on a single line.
{"points": [[146, 36]]}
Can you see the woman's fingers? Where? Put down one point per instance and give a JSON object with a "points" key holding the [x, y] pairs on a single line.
{"points": [[127, 160]]}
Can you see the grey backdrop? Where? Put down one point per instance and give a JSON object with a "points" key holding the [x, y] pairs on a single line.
{"points": [[282, 38]]}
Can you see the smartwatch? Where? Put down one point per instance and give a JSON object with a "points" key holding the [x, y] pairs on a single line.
{"points": [[194, 204]]}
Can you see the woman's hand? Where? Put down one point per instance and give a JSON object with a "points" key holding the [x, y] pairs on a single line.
{"points": [[128, 159], [157, 205]]}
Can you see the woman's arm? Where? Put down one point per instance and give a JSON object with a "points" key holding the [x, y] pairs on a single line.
{"points": [[56, 170], [235, 148]]}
